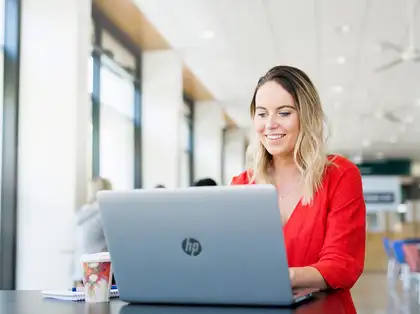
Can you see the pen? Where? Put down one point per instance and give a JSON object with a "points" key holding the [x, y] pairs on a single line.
{"points": [[75, 289]]}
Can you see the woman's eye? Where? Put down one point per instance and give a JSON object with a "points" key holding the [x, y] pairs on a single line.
{"points": [[284, 114], [261, 114]]}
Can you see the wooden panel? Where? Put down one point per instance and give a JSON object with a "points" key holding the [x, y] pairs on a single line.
{"points": [[193, 87], [376, 259], [128, 18], [229, 122]]}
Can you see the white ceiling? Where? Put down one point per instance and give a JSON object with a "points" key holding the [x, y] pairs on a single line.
{"points": [[250, 36]]}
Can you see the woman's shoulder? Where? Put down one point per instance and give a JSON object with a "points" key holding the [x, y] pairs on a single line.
{"points": [[338, 165], [341, 169], [87, 215], [242, 178]]}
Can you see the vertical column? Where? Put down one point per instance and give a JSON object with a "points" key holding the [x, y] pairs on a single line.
{"points": [[9, 95], [54, 121], [162, 104], [209, 122], [234, 153]]}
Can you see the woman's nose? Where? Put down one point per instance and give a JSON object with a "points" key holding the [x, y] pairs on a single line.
{"points": [[271, 123]]}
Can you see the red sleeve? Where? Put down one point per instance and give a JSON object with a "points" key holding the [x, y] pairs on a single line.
{"points": [[342, 257], [240, 179]]}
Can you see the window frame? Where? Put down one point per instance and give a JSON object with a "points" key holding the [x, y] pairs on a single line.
{"points": [[190, 120], [10, 107], [102, 23]]}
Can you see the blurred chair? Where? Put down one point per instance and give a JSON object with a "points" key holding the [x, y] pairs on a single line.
{"points": [[412, 257], [398, 251], [393, 266]]}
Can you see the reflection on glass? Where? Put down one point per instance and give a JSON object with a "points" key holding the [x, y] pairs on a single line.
{"points": [[117, 92], [117, 129], [117, 148]]}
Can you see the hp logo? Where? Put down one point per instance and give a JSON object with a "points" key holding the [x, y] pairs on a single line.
{"points": [[191, 247]]}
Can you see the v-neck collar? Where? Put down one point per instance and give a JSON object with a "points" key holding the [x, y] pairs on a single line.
{"points": [[294, 213]]}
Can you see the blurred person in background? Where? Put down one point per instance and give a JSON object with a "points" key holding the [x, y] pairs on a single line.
{"points": [[320, 196], [89, 235], [205, 182]]}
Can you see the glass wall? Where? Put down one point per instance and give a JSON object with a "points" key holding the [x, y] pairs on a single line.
{"points": [[115, 133], [117, 95], [89, 135], [115, 88]]}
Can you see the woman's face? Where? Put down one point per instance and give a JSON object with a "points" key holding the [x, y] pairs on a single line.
{"points": [[276, 119]]}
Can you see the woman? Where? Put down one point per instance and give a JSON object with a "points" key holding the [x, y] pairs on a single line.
{"points": [[89, 234], [320, 197]]}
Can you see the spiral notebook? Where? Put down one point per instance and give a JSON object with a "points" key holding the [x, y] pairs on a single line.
{"points": [[76, 296]]}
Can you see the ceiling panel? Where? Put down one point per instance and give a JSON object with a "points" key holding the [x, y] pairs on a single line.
{"points": [[293, 25], [335, 41]]}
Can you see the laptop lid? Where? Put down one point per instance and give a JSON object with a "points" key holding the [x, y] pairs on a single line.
{"points": [[198, 245]]}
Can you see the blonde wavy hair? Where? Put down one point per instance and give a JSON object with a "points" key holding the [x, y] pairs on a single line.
{"points": [[310, 150], [98, 184]]}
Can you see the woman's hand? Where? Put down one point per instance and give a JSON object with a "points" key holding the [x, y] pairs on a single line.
{"points": [[292, 276], [306, 277]]}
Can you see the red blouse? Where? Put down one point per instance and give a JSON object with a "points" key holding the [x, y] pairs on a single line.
{"points": [[330, 234]]}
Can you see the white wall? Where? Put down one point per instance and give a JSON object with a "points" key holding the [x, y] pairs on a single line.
{"points": [[234, 155], [162, 105], [382, 184], [53, 122], [209, 122]]}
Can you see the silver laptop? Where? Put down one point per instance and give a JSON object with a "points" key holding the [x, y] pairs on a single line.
{"points": [[199, 245]]}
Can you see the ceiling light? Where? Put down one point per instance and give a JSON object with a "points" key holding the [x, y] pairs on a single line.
{"points": [[366, 143], [393, 139], [341, 60], [358, 159], [403, 127], [379, 114], [409, 119], [337, 89], [207, 34], [344, 28], [377, 48]]}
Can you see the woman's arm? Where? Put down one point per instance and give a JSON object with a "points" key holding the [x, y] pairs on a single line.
{"points": [[341, 259], [306, 277]]}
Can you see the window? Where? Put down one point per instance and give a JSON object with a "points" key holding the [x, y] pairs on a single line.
{"points": [[116, 148], [234, 146], [91, 80], [117, 107], [117, 129]]}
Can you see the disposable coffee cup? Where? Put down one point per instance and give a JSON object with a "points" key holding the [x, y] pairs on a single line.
{"points": [[97, 277]]}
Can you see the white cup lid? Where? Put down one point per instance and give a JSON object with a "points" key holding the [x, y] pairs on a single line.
{"points": [[97, 257]]}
